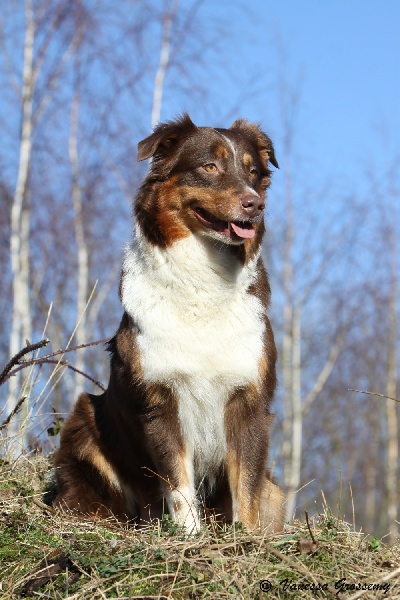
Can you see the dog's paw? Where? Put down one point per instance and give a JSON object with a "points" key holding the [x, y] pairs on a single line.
{"points": [[192, 522]]}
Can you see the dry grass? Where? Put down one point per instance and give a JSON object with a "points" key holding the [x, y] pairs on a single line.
{"points": [[48, 554]]}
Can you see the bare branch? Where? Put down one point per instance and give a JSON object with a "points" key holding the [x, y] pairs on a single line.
{"points": [[13, 412], [13, 80], [70, 50], [373, 394], [16, 359], [65, 350], [324, 373], [64, 363]]}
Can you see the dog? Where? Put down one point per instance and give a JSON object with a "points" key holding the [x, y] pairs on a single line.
{"points": [[184, 425]]}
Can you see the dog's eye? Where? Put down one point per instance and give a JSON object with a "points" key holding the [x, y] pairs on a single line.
{"points": [[210, 168], [253, 172]]}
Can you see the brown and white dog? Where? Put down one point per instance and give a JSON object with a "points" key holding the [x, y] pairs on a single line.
{"points": [[184, 423]]}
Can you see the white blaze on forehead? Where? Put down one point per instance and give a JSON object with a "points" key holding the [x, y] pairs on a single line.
{"points": [[232, 147], [235, 157]]}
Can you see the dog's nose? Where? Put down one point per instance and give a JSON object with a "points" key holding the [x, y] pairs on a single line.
{"points": [[252, 204]]}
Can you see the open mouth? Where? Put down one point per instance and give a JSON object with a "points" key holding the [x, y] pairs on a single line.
{"points": [[234, 229]]}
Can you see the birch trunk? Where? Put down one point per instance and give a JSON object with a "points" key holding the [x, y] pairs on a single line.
{"points": [[82, 250], [371, 478], [294, 474], [391, 392], [19, 239], [287, 345], [163, 64]]}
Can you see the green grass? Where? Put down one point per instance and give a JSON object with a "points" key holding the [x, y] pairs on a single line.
{"points": [[49, 554]]}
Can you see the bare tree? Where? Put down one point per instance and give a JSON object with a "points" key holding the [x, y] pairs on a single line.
{"points": [[21, 321], [303, 255], [386, 193], [391, 390], [20, 212]]}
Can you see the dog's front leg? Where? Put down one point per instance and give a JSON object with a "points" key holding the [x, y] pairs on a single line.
{"points": [[173, 458], [181, 497], [246, 426]]}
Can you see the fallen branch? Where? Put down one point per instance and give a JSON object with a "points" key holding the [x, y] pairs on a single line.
{"points": [[42, 505]]}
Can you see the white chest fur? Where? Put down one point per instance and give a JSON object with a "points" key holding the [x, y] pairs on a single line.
{"points": [[199, 331]]}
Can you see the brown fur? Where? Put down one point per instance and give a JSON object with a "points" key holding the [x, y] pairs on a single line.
{"points": [[123, 452]]}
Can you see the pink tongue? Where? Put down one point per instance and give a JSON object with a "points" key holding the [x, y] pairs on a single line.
{"points": [[242, 231]]}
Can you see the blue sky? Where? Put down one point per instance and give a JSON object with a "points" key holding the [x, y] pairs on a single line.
{"points": [[350, 52], [346, 53]]}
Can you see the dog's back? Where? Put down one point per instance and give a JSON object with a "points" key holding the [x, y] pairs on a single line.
{"points": [[193, 361]]}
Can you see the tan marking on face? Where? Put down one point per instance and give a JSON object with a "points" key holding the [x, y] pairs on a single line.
{"points": [[221, 152], [222, 204], [248, 160], [172, 227]]}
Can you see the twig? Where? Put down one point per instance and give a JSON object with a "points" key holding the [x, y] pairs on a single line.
{"points": [[176, 573], [42, 505], [373, 394], [13, 412], [98, 383], [64, 351], [16, 359], [8, 373], [43, 360], [309, 529]]}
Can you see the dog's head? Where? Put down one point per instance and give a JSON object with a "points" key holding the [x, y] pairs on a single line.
{"points": [[206, 181]]}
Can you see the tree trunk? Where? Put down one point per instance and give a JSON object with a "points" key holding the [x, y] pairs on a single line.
{"points": [[19, 240], [82, 251], [294, 474], [287, 345], [163, 64], [391, 391]]}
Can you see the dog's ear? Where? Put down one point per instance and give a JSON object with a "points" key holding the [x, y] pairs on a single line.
{"points": [[165, 136], [263, 142]]}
